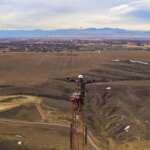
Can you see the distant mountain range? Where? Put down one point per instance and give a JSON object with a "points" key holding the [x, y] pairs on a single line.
{"points": [[89, 33]]}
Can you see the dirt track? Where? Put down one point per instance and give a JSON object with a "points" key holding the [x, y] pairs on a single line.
{"points": [[16, 101], [125, 83], [90, 137], [37, 101]]}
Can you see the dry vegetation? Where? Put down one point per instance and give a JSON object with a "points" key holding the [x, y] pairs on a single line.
{"points": [[34, 137], [108, 112]]}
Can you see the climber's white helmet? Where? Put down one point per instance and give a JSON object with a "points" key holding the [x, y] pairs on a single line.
{"points": [[80, 76]]}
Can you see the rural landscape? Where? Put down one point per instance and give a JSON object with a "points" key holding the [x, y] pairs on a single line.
{"points": [[35, 111], [74, 74]]}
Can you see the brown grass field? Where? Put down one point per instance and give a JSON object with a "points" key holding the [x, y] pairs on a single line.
{"points": [[42, 76], [36, 68]]}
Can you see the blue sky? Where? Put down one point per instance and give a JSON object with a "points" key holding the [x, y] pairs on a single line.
{"points": [[56, 14]]}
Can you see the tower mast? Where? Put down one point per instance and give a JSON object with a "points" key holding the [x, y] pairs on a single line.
{"points": [[78, 131]]}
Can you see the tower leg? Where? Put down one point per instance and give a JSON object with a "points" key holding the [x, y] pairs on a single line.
{"points": [[71, 137], [85, 135]]}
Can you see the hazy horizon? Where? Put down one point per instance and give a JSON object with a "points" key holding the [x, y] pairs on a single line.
{"points": [[89, 28]]}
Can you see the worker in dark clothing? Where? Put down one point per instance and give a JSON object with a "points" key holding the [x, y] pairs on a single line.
{"points": [[81, 87], [81, 84]]}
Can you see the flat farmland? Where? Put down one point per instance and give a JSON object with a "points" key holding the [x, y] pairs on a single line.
{"points": [[36, 68]]}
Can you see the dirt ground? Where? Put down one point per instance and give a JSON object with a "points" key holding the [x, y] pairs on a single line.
{"points": [[36, 136], [119, 98], [36, 68]]}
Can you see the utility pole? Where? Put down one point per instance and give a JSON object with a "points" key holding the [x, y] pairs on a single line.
{"points": [[78, 131]]}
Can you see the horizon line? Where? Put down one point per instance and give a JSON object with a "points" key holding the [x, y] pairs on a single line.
{"points": [[96, 28]]}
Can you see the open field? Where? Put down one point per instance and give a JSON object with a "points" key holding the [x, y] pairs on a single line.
{"points": [[37, 68], [33, 88], [35, 137]]}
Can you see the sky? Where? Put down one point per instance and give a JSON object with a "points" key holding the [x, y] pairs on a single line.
{"points": [[62, 14]]}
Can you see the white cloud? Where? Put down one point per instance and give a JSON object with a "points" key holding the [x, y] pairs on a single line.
{"points": [[121, 9], [48, 14], [133, 15], [131, 6]]}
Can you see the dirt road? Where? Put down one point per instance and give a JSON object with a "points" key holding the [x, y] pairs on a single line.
{"points": [[124, 82], [13, 101]]}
